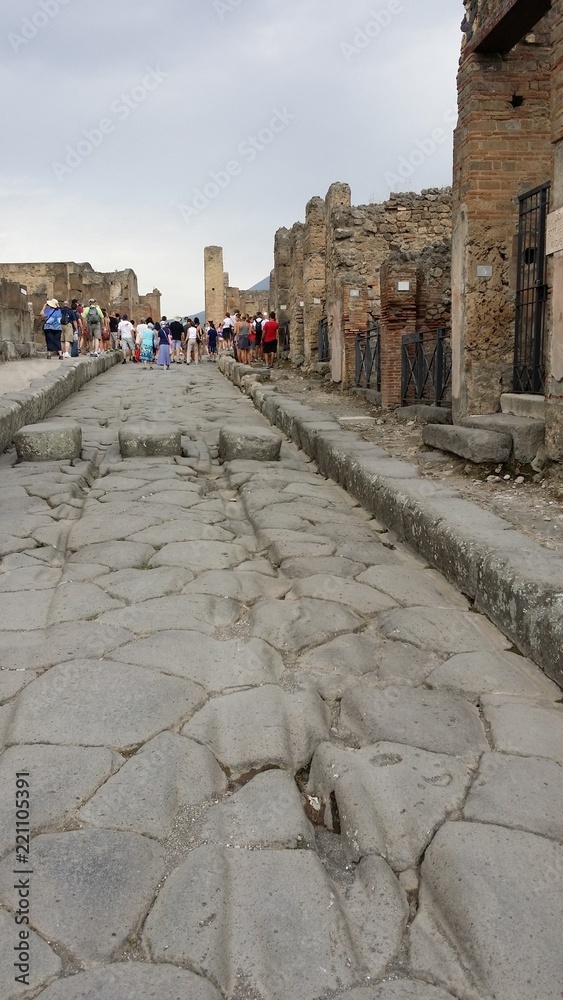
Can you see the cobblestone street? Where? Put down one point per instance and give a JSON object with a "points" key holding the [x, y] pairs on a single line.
{"points": [[271, 754]]}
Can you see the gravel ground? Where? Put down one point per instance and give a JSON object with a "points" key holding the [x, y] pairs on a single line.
{"points": [[534, 506]]}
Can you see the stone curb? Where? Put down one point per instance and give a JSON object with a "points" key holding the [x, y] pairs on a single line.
{"points": [[30, 406], [511, 578]]}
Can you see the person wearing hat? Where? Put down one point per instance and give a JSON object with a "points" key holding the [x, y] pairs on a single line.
{"points": [[52, 327], [94, 319]]}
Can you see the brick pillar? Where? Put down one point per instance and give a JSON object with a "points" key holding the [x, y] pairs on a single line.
{"points": [[398, 317], [354, 318]]}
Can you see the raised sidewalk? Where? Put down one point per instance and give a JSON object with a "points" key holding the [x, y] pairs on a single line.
{"points": [[512, 579]]}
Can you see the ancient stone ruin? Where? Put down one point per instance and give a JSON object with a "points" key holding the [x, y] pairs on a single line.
{"points": [[221, 297]]}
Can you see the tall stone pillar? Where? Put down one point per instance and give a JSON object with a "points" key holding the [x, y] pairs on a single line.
{"points": [[214, 284], [554, 386], [297, 292], [282, 267], [314, 274]]}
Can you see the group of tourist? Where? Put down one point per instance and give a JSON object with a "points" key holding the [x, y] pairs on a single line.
{"points": [[73, 329]]}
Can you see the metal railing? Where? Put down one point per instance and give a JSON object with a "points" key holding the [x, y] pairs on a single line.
{"points": [[368, 358], [427, 368], [284, 340], [324, 341]]}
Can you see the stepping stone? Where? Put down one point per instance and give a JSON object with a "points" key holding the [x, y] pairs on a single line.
{"points": [[498, 893], [63, 778], [274, 920], [364, 600], [527, 728], [442, 631], [133, 979], [524, 793], [194, 612], [218, 667], [476, 674], [115, 555], [438, 721], [147, 440], [265, 727], [100, 703], [266, 812], [91, 888], [200, 556], [47, 647], [43, 962], [50, 441], [249, 441], [391, 798], [166, 775], [292, 626]]}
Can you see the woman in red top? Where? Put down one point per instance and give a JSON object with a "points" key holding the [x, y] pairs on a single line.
{"points": [[270, 340]]}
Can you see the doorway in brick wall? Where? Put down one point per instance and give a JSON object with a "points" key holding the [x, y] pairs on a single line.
{"points": [[531, 292]]}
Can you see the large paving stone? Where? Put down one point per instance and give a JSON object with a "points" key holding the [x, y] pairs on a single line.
{"points": [[135, 981], [524, 793], [414, 588], [250, 441], [476, 674], [438, 721], [265, 727], [364, 600], [44, 964], [331, 565], [444, 631], [89, 703], [150, 440], [369, 554], [12, 681], [399, 989], [115, 555], [218, 666], [79, 602], [194, 612], [304, 546], [489, 923], [95, 528], [166, 775], [523, 727], [292, 626], [181, 531], [391, 798], [91, 888], [50, 441], [47, 647], [29, 578], [266, 812], [246, 587], [201, 556], [137, 585], [27, 613], [274, 920], [62, 777]]}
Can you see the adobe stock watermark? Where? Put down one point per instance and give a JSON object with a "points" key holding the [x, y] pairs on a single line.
{"points": [[423, 150], [120, 110], [31, 26], [223, 8], [371, 29], [248, 150]]}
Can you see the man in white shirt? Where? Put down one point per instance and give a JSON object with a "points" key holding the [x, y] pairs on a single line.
{"points": [[228, 327], [127, 334], [191, 344]]}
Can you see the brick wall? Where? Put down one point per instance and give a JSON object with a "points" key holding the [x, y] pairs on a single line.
{"points": [[398, 318]]}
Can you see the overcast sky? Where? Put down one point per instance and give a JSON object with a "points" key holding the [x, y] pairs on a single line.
{"points": [[136, 132]]}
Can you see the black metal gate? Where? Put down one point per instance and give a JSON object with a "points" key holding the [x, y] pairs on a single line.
{"points": [[324, 341], [368, 358], [427, 368], [531, 293]]}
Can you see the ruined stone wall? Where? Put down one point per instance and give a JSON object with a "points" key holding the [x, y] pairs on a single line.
{"points": [[245, 302], [150, 305], [434, 287], [16, 322], [502, 149]]}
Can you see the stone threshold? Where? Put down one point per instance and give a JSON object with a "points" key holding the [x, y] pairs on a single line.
{"points": [[509, 577], [30, 406]]}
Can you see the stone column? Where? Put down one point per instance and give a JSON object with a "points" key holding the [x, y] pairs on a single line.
{"points": [[282, 267], [214, 284], [314, 274], [398, 318], [297, 292]]}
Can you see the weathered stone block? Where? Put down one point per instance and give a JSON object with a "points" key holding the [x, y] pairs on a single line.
{"points": [[51, 441], [468, 442], [257, 443], [527, 435], [147, 440]]}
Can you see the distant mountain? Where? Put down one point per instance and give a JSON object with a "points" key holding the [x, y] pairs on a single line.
{"points": [[262, 286]]}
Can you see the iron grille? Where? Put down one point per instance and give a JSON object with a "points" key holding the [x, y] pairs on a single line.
{"points": [[531, 293], [427, 368], [368, 358], [324, 341]]}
